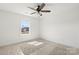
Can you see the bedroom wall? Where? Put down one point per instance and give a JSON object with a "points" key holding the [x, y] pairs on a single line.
{"points": [[61, 25], [10, 28]]}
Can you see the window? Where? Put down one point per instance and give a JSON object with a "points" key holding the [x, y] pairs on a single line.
{"points": [[24, 27]]}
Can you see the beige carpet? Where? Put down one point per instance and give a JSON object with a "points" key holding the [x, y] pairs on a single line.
{"points": [[38, 47]]}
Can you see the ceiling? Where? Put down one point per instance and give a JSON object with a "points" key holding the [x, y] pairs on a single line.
{"points": [[22, 8]]}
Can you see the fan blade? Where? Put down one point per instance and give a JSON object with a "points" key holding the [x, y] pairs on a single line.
{"points": [[45, 11], [42, 6], [32, 8], [33, 13]]}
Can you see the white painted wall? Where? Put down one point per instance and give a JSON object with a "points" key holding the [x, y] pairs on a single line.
{"points": [[62, 25], [10, 28]]}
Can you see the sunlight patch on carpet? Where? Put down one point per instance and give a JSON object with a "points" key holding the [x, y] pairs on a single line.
{"points": [[35, 43]]}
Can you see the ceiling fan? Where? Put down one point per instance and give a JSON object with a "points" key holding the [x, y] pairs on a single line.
{"points": [[39, 9]]}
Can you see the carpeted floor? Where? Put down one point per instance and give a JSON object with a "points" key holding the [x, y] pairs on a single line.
{"points": [[38, 47]]}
